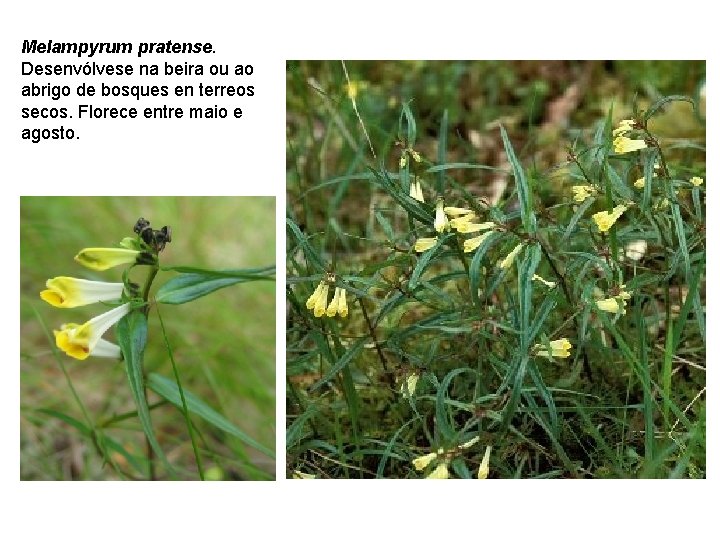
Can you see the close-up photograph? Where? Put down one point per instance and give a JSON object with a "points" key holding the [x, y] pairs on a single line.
{"points": [[147, 338], [495, 269]]}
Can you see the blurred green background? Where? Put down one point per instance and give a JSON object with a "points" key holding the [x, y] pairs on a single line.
{"points": [[223, 343]]}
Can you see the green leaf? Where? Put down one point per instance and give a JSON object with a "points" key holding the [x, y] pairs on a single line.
{"points": [[341, 363], [132, 336], [264, 273], [658, 105], [188, 287], [169, 390], [523, 188]]}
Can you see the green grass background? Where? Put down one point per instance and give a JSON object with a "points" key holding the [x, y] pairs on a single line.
{"points": [[224, 343]]}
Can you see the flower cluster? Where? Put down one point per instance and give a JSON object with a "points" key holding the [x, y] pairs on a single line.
{"points": [[580, 193], [317, 302], [623, 144], [616, 302], [82, 340], [604, 220]]}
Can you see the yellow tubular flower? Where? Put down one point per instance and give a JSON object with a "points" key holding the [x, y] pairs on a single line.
{"points": [[321, 301], [441, 221], [604, 220], [471, 244], [416, 156], [639, 183], [696, 181], [454, 211], [423, 244], [333, 307], [623, 127], [582, 192], [463, 220], [342, 304], [407, 389], [104, 258], [510, 257], [467, 227], [484, 469], [416, 191], [559, 348], [403, 161], [548, 284], [611, 305], [422, 462], [81, 341], [623, 145], [67, 292], [310, 304], [440, 472]]}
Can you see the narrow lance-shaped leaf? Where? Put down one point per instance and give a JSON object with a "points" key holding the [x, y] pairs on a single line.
{"points": [[188, 287], [132, 336], [169, 390]]}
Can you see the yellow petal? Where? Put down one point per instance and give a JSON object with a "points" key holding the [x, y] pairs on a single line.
{"points": [[467, 227], [67, 292], [639, 183], [484, 469], [440, 472], [321, 301], [407, 389], [423, 244], [104, 258], [454, 211], [510, 257], [422, 462], [441, 222], [609, 304], [623, 145], [696, 181], [342, 304], [471, 244], [333, 307]]}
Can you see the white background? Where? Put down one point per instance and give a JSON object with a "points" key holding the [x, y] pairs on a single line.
{"points": [[247, 157]]}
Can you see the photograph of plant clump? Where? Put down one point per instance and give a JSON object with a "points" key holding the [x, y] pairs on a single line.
{"points": [[496, 269], [147, 338]]}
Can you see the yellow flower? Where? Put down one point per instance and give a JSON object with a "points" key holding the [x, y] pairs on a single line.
{"points": [[623, 145], [484, 469], [342, 305], [462, 220], [407, 389], [441, 222], [299, 475], [422, 462], [696, 181], [416, 191], [104, 258], [423, 244], [454, 211], [559, 348], [471, 244], [338, 304], [583, 192], [318, 299], [353, 88], [416, 156], [467, 227], [81, 341], [440, 472], [662, 204], [548, 284], [639, 183], [67, 292], [510, 257], [623, 127], [403, 161], [615, 304], [611, 305], [605, 219]]}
